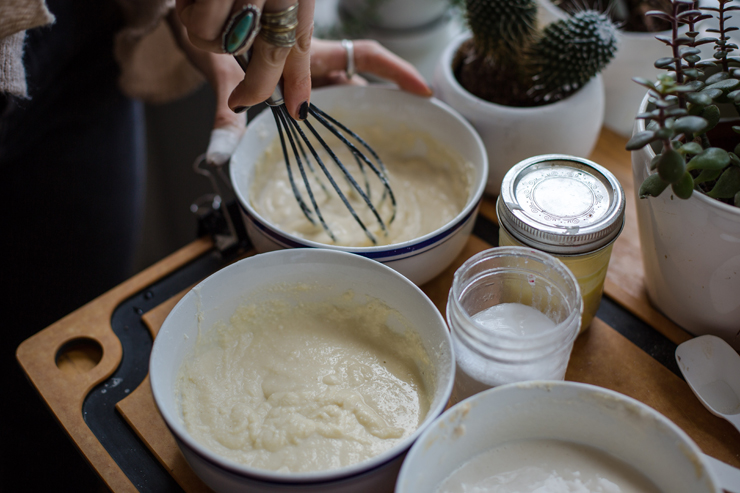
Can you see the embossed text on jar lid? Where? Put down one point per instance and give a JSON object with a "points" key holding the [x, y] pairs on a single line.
{"points": [[561, 204]]}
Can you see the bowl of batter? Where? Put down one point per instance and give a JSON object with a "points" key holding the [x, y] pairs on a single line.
{"points": [[555, 436], [437, 168], [301, 370]]}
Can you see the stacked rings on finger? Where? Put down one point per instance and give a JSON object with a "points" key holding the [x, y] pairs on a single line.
{"points": [[351, 70], [278, 28], [241, 29]]}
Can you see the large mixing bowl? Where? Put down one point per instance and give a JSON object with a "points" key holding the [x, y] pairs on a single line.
{"points": [[330, 274], [620, 426], [419, 259]]}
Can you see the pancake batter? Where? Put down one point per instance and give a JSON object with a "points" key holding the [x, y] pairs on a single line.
{"points": [[299, 387], [430, 183]]}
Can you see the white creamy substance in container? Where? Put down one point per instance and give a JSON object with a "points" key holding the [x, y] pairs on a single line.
{"points": [[546, 466], [430, 183], [305, 386]]}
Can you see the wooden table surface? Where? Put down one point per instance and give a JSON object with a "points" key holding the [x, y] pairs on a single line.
{"points": [[80, 354]]}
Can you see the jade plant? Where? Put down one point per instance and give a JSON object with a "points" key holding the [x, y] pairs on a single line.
{"points": [[509, 60], [693, 150]]}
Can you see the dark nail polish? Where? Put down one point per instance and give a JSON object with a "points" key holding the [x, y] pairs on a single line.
{"points": [[303, 110], [240, 109]]}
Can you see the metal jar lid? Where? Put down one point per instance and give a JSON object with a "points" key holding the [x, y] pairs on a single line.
{"points": [[561, 204]]}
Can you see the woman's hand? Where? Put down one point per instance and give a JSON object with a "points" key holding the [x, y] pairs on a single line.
{"points": [[329, 64], [204, 21]]}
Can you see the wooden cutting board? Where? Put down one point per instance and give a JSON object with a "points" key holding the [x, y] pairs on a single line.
{"points": [[601, 355]]}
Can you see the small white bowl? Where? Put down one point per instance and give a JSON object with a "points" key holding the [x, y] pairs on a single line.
{"points": [[573, 412], [420, 259], [217, 297]]}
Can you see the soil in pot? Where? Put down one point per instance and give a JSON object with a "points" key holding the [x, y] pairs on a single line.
{"points": [[630, 14], [485, 79]]}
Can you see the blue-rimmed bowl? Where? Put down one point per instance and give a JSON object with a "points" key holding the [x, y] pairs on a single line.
{"points": [[420, 259], [325, 275]]}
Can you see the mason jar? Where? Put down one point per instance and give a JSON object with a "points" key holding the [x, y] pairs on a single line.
{"points": [[514, 314], [569, 207]]}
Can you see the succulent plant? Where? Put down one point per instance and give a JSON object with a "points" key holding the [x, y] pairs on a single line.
{"points": [[510, 61], [683, 117]]}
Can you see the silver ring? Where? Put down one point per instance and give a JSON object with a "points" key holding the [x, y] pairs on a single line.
{"points": [[278, 28], [351, 70]]}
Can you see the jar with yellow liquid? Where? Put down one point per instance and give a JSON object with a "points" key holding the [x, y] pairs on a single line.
{"points": [[569, 207]]}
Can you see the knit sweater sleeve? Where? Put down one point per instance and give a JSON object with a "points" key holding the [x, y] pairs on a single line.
{"points": [[16, 17], [153, 68]]}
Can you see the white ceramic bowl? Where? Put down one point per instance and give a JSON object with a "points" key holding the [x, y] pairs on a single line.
{"points": [[618, 425], [218, 296], [420, 259]]}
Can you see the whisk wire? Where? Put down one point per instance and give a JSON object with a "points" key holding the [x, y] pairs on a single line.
{"points": [[329, 176], [381, 172], [298, 196], [306, 158], [349, 177], [287, 122]]}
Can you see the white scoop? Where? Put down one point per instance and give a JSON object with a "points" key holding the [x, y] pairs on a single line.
{"points": [[711, 367]]}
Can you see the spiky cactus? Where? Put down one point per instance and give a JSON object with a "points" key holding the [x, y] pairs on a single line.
{"points": [[570, 53], [509, 61], [501, 29]]}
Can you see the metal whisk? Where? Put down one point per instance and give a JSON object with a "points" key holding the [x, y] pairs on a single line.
{"points": [[289, 130]]}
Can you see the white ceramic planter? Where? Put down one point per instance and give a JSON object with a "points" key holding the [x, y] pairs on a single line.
{"points": [[399, 14], [691, 255], [511, 134]]}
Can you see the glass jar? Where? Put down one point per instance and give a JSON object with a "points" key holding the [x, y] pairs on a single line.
{"points": [[487, 357], [569, 207]]}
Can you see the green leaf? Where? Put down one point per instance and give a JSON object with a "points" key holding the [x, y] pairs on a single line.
{"points": [[695, 85], [652, 187], [719, 76], [690, 124], [737, 199], [654, 162], [692, 59], [712, 92], [671, 166], [674, 112], [691, 148], [728, 184], [663, 133], [644, 82], [640, 140], [684, 187], [734, 160], [711, 158], [712, 116], [692, 72], [665, 62], [707, 175], [724, 85]]}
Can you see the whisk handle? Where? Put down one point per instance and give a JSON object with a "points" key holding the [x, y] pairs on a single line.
{"points": [[276, 99]]}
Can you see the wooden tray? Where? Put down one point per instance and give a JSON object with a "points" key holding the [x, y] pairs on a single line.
{"points": [[601, 356]]}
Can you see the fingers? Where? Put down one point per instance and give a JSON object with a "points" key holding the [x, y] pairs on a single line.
{"points": [[205, 20], [297, 70], [371, 58], [269, 63]]}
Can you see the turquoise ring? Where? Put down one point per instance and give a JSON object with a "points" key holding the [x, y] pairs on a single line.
{"points": [[241, 29]]}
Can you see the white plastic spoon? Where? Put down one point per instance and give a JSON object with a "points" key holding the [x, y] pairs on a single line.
{"points": [[712, 369]]}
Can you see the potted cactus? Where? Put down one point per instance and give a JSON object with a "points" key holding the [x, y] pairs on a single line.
{"points": [[687, 174], [527, 91], [637, 50]]}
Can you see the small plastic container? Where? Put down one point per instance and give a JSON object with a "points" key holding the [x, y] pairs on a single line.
{"points": [[569, 207], [487, 357]]}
